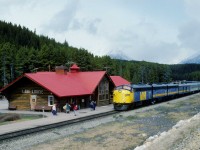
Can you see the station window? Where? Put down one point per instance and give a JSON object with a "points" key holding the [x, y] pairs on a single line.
{"points": [[104, 90], [50, 100]]}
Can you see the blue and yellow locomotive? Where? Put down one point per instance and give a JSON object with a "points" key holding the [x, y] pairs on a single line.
{"points": [[125, 96]]}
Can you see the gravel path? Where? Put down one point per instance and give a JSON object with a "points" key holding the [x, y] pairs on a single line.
{"points": [[159, 126]]}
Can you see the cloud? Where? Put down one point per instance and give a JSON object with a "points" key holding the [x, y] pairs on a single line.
{"points": [[89, 25], [192, 9], [146, 40], [133, 27], [189, 32], [92, 25], [61, 20], [163, 52], [8, 8], [29, 13], [139, 36], [189, 35]]}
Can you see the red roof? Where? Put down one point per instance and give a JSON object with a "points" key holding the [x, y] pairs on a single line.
{"points": [[70, 84], [63, 85], [118, 80]]}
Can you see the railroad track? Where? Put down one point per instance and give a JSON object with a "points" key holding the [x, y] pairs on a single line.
{"points": [[29, 131]]}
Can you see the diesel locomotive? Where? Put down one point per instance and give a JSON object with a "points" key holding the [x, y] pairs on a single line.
{"points": [[126, 96]]}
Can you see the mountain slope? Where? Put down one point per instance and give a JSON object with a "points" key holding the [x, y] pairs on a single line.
{"points": [[195, 59], [118, 55]]}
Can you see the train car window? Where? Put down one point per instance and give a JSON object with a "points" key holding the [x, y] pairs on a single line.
{"points": [[141, 89], [157, 88], [137, 89]]}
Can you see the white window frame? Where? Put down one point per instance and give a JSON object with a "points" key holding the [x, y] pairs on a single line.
{"points": [[50, 98]]}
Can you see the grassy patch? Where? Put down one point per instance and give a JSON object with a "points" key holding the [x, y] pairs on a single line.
{"points": [[131, 118], [110, 136], [8, 118], [178, 116], [148, 113]]}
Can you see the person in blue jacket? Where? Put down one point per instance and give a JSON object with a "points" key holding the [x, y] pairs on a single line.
{"points": [[94, 105], [68, 107]]}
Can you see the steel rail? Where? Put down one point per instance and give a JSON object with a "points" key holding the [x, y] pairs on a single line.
{"points": [[33, 130]]}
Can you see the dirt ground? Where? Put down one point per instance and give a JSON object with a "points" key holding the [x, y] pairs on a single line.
{"points": [[183, 136]]}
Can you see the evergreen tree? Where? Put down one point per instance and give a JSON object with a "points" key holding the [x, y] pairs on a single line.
{"points": [[22, 51]]}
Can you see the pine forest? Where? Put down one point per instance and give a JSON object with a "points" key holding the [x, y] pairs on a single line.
{"points": [[23, 51]]}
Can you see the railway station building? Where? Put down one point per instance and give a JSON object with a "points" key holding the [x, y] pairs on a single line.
{"points": [[41, 90]]}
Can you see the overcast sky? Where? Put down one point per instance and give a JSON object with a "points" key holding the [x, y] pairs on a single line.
{"points": [[163, 31]]}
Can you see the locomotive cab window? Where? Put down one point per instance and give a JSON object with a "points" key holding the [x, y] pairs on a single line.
{"points": [[119, 88], [127, 87]]}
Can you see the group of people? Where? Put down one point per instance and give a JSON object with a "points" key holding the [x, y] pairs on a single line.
{"points": [[68, 107], [73, 107]]}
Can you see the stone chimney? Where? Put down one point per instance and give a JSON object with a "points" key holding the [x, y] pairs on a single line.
{"points": [[74, 68], [61, 69]]}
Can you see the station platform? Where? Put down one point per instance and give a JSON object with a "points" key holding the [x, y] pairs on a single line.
{"points": [[48, 118]]}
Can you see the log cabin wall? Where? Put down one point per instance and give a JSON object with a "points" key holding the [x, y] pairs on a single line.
{"points": [[20, 94], [103, 97], [111, 88]]}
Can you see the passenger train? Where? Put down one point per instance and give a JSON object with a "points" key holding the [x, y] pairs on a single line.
{"points": [[126, 96]]}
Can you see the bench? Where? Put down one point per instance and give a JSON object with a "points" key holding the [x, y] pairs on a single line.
{"points": [[12, 107], [40, 108]]}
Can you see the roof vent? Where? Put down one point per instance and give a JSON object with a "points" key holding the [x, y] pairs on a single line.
{"points": [[61, 69], [74, 68]]}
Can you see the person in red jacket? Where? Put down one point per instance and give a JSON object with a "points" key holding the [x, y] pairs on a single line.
{"points": [[75, 108]]}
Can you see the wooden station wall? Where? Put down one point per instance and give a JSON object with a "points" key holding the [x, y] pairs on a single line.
{"points": [[20, 94]]}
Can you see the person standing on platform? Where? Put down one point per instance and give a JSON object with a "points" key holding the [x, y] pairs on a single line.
{"points": [[94, 105], [75, 108], [72, 106], [68, 106], [54, 111]]}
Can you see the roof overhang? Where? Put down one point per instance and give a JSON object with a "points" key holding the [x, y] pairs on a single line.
{"points": [[10, 84]]}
